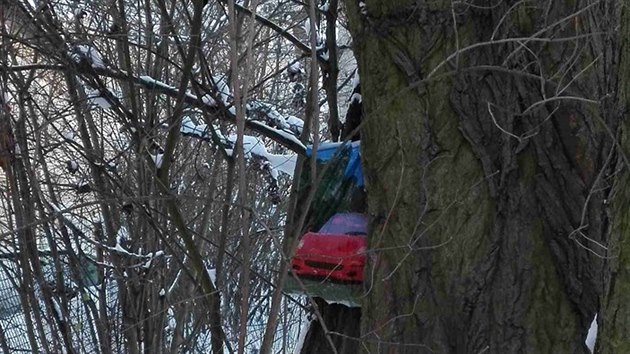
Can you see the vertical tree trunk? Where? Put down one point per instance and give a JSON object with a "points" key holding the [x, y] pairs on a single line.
{"points": [[614, 315], [486, 162]]}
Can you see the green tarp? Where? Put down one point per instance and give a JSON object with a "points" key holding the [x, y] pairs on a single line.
{"points": [[338, 184]]}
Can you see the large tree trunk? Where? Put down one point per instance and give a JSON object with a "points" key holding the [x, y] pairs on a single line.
{"points": [[487, 173], [614, 315]]}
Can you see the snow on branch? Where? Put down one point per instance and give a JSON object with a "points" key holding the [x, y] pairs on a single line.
{"points": [[253, 147], [226, 113], [286, 138], [254, 150], [121, 238], [100, 99], [82, 53], [260, 126], [189, 128], [264, 111]]}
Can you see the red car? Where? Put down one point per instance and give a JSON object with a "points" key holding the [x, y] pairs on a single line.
{"points": [[336, 252]]}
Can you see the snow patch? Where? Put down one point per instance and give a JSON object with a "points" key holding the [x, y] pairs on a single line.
{"points": [[222, 88], [208, 100], [254, 147], [189, 128], [287, 123], [149, 81], [295, 67], [96, 98], [295, 71], [121, 237], [151, 257], [591, 337], [362, 8], [307, 322], [78, 12], [83, 52], [172, 323], [356, 80], [324, 55], [157, 159], [68, 135], [307, 27], [212, 272], [251, 146], [282, 163], [72, 166], [295, 124], [286, 135]]}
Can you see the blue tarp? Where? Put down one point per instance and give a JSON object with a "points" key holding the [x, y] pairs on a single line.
{"points": [[327, 151]]}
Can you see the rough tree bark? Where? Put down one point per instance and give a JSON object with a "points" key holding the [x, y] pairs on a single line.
{"points": [[488, 174], [615, 307]]}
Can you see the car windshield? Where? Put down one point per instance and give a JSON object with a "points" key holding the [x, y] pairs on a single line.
{"points": [[346, 223]]}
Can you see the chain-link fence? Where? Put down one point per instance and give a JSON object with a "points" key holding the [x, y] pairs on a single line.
{"points": [[28, 325]]}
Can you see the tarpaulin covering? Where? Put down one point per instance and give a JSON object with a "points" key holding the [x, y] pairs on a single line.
{"points": [[338, 184], [327, 151]]}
